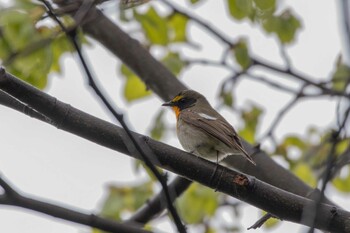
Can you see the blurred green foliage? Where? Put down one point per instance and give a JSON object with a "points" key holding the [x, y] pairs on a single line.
{"points": [[158, 127], [241, 54], [27, 49], [284, 26], [198, 203], [262, 13], [251, 119], [123, 199], [30, 49], [341, 75], [134, 88]]}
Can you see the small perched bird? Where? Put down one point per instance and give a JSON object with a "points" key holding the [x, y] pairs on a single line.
{"points": [[202, 130]]}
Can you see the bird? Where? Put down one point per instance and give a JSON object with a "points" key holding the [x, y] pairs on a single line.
{"points": [[202, 131]]}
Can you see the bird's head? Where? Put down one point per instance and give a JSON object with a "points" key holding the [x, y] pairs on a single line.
{"points": [[185, 99]]}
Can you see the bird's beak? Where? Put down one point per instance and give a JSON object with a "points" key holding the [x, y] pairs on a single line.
{"points": [[169, 103]]}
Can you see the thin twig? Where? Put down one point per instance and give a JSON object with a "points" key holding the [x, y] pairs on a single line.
{"points": [[346, 20], [146, 157], [271, 83], [11, 197], [330, 163], [261, 221], [199, 21], [282, 113], [255, 61], [326, 177], [155, 205], [283, 204], [285, 57], [208, 62]]}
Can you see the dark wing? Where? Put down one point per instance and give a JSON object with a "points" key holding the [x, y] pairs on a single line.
{"points": [[218, 128]]}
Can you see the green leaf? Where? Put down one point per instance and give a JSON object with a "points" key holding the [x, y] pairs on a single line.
{"points": [[271, 222], [24, 4], [121, 199], [17, 29], [139, 165], [197, 203], [173, 62], [265, 4], [342, 183], [227, 98], [251, 119], [134, 88], [154, 26], [304, 172], [242, 54], [284, 26], [59, 46], [177, 27], [240, 9], [33, 68], [342, 146], [26, 52], [295, 141], [158, 127], [264, 9], [194, 1], [341, 75]]}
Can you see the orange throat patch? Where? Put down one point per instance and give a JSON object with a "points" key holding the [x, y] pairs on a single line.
{"points": [[177, 111]]}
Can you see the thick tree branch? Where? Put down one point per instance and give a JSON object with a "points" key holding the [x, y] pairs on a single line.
{"points": [[146, 156], [14, 198], [165, 85], [154, 206], [280, 203], [132, 54], [11, 102], [255, 61]]}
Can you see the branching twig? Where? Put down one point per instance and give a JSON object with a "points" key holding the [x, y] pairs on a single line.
{"points": [[256, 61], [271, 83], [327, 175], [285, 57], [9, 101], [208, 62], [278, 202], [11, 197], [314, 211], [146, 157], [155, 206], [281, 114], [199, 21], [261, 221]]}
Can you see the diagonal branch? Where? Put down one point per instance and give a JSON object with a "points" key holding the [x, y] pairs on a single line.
{"points": [[282, 204], [12, 197], [146, 157], [154, 206], [134, 144], [255, 61], [132, 54], [166, 86]]}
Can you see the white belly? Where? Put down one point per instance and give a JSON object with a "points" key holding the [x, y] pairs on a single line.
{"points": [[201, 144]]}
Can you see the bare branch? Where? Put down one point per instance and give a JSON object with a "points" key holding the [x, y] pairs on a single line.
{"points": [[12, 197], [146, 156], [282, 113], [261, 221], [284, 205], [155, 206]]}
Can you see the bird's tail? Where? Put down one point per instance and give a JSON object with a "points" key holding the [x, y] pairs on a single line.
{"points": [[246, 155]]}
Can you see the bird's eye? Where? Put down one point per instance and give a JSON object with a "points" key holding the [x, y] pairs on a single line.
{"points": [[183, 100]]}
